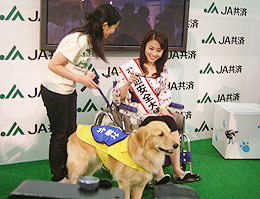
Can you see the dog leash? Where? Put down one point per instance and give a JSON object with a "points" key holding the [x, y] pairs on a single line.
{"points": [[109, 105]]}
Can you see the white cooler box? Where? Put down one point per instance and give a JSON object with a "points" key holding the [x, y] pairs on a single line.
{"points": [[243, 118]]}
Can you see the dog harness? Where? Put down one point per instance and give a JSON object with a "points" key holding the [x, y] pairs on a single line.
{"points": [[108, 140]]}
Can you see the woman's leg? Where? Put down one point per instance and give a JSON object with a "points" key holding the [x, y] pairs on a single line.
{"points": [[179, 175], [160, 175], [175, 158], [61, 113]]}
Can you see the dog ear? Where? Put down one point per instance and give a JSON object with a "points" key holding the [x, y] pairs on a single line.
{"points": [[141, 135]]}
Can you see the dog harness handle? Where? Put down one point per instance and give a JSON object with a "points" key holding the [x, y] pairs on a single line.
{"points": [[107, 102]]}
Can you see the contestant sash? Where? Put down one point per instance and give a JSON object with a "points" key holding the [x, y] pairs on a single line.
{"points": [[141, 88]]}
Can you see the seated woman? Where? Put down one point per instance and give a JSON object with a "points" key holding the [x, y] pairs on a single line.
{"points": [[153, 55]]}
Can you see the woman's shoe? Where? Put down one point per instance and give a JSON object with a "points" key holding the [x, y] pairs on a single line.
{"points": [[186, 177], [165, 179], [149, 185]]}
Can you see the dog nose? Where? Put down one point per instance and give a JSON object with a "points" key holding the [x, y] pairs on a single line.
{"points": [[175, 146]]}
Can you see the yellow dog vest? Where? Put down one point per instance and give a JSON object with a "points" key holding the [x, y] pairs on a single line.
{"points": [[118, 150]]}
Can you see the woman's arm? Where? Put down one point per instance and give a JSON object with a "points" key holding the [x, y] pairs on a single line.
{"points": [[133, 77], [57, 65], [121, 91], [165, 94], [124, 90]]}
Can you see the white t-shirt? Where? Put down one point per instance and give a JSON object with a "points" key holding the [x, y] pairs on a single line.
{"points": [[77, 49]]}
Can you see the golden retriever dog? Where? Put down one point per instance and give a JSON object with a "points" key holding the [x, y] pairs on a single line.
{"points": [[147, 147]]}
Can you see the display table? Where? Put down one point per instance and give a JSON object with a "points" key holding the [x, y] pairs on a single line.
{"points": [[236, 130]]}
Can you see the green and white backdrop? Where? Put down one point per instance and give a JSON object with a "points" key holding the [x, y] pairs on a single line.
{"points": [[221, 64]]}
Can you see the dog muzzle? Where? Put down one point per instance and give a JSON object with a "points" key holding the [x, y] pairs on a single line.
{"points": [[175, 146]]}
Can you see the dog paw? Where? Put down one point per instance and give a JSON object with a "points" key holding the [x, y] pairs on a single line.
{"points": [[105, 184]]}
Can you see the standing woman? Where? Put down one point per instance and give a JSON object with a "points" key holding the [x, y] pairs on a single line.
{"points": [[70, 65]]}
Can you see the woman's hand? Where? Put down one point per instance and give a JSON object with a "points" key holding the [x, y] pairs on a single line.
{"points": [[164, 111], [133, 77], [87, 80]]}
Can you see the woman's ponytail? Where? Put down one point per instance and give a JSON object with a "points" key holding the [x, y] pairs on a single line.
{"points": [[94, 27]]}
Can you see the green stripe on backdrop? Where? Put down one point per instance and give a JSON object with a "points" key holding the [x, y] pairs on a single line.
{"points": [[220, 178]]}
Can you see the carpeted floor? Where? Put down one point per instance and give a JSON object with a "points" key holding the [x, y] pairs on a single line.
{"points": [[221, 179]]}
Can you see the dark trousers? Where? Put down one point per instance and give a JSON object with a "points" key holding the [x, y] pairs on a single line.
{"points": [[62, 114], [167, 119]]}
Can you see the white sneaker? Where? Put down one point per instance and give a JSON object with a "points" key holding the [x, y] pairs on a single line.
{"points": [[64, 180]]}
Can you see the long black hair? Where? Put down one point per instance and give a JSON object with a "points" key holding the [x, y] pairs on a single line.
{"points": [[161, 38], [94, 27]]}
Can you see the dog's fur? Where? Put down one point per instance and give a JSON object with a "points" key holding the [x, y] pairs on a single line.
{"points": [[147, 147]]}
